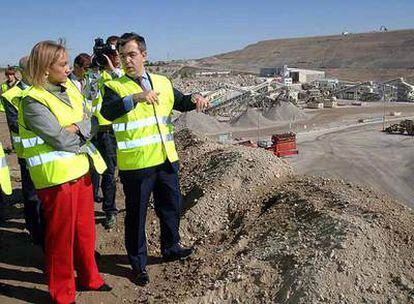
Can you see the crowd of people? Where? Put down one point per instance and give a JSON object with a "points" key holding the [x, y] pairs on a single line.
{"points": [[72, 129]]}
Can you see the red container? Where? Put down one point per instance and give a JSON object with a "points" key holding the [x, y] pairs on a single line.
{"points": [[284, 144]]}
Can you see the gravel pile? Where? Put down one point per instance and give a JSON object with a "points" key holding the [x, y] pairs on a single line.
{"points": [[252, 118], [218, 179], [284, 111], [200, 123]]}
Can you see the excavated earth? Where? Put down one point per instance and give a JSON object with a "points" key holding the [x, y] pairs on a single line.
{"points": [[262, 234]]}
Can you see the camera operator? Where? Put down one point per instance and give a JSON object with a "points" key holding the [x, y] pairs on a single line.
{"points": [[106, 57], [108, 62], [113, 66]]}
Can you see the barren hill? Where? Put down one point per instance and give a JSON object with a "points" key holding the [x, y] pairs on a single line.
{"points": [[357, 56]]}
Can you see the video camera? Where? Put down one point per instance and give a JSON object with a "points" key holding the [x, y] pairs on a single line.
{"points": [[100, 49]]}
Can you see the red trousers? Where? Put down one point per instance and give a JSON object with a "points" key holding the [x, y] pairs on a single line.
{"points": [[70, 238]]}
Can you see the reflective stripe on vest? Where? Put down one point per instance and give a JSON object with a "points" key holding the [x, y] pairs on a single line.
{"points": [[3, 162], [146, 122], [144, 141], [17, 144], [32, 142], [16, 139], [47, 157]]}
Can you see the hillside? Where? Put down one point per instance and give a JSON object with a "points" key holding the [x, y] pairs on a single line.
{"points": [[375, 55]]}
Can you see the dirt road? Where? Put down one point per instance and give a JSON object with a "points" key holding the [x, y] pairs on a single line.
{"points": [[363, 155]]}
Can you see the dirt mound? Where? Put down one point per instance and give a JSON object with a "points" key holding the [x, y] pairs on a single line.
{"points": [[251, 119], [200, 123], [218, 179], [265, 237], [315, 240], [284, 111]]}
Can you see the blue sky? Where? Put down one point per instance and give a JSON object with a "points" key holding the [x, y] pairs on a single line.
{"points": [[188, 29]]}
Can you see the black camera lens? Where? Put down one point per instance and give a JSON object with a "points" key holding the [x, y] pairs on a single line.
{"points": [[99, 51]]}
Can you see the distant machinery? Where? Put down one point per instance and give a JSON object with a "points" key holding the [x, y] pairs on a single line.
{"points": [[391, 90], [359, 91], [262, 96], [404, 90]]}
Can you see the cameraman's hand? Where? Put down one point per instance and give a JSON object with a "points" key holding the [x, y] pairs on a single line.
{"points": [[109, 66], [150, 97]]}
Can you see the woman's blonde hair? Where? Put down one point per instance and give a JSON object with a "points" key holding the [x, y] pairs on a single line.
{"points": [[42, 56]]}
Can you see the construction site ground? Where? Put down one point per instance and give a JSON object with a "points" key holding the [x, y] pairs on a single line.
{"points": [[322, 119], [263, 231]]}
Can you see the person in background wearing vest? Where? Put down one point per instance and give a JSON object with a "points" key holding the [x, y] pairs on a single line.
{"points": [[105, 141], [11, 80], [5, 183], [81, 66], [139, 105], [55, 130], [80, 77], [32, 205]]}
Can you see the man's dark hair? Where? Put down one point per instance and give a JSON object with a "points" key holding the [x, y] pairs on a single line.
{"points": [[112, 40], [82, 59], [127, 37]]}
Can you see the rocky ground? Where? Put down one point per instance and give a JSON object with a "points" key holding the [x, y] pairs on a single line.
{"points": [[262, 235]]}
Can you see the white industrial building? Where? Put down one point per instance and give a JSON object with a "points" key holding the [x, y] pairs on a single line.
{"points": [[297, 75]]}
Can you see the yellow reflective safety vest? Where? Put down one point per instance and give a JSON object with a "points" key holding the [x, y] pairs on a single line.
{"points": [[145, 134], [105, 76], [97, 102], [4, 89], [5, 182], [13, 97], [49, 167]]}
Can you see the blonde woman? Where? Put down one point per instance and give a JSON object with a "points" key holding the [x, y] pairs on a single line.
{"points": [[55, 129]]}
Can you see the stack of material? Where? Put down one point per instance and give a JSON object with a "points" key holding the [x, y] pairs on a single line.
{"points": [[252, 118], [200, 123], [284, 111]]}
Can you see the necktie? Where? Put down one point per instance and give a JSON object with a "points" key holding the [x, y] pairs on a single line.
{"points": [[139, 81]]}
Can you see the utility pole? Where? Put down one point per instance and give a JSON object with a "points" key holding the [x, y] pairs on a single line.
{"points": [[258, 126], [383, 117]]}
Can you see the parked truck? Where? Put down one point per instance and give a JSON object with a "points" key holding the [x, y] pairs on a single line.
{"points": [[404, 127]]}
